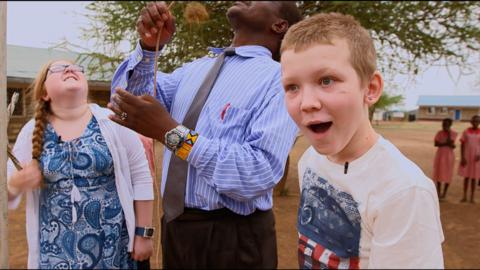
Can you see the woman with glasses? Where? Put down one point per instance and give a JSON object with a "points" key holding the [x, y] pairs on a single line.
{"points": [[87, 181]]}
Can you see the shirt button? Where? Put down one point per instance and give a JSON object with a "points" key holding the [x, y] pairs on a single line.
{"points": [[147, 60]]}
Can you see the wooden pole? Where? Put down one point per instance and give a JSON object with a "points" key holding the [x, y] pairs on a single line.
{"points": [[3, 138]]}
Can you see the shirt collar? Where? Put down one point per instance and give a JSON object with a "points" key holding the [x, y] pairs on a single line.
{"points": [[245, 51]]}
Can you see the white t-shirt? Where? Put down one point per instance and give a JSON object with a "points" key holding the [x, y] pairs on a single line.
{"points": [[383, 213]]}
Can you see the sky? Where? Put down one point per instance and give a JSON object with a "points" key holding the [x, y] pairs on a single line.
{"points": [[46, 24]]}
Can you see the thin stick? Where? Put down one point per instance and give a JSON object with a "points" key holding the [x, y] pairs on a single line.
{"points": [[155, 143], [13, 158], [156, 65], [10, 109], [156, 56], [11, 106]]}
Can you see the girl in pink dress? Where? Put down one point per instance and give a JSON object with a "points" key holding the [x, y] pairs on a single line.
{"points": [[470, 163], [444, 158]]}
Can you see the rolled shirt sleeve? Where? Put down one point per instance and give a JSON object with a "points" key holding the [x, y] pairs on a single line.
{"points": [[135, 75], [244, 171]]}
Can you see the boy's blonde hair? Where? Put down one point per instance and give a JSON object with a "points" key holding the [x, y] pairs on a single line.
{"points": [[323, 28]]}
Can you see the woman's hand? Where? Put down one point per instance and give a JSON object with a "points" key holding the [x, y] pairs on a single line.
{"points": [[28, 178], [142, 248]]}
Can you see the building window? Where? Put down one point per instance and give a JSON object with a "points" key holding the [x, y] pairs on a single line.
{"points": [[444, 110], [20, 106], [431, 110]]}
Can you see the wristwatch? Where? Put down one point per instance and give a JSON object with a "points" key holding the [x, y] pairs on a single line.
{"points": [[175, 138], [146, 232]]}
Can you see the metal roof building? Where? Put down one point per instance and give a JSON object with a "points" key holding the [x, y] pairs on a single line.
{"points": [[25, 62], [450, 101], [457, 107]]}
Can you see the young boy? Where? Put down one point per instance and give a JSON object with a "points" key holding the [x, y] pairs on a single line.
{"points": [[363, 204]]}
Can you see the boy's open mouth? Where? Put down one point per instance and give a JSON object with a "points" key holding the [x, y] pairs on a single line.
{"points": [[320, 127]]}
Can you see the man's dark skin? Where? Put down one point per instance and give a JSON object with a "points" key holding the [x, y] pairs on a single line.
{"points": [[253, 23]]}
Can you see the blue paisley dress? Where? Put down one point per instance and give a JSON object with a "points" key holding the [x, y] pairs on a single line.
{"points": [[82, 224]]}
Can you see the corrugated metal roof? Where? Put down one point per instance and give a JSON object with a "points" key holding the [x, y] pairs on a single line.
{"points": [[450, 101], [25, 62]]}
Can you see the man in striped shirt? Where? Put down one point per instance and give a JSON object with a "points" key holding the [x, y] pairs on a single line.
{"points": [[240, 144]]}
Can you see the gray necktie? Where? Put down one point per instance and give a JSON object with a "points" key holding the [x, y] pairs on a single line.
{"points": [[174, 193]]}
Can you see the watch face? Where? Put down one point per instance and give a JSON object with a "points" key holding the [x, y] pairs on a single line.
{"points": [[149, 232], [173, 139]]}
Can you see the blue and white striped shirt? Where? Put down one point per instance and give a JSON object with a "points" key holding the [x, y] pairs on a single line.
{"points": [[245, 133]]}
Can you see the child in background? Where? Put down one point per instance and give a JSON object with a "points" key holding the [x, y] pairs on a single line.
{"points": [[363, 203], [444, 157], [470, 157], [87, 182]]}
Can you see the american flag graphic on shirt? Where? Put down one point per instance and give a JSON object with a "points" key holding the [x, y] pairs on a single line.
{"points": [[314, 256], [328, 225]]}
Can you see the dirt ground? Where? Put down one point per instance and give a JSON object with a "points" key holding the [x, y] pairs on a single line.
{"points": [[460, 220]]}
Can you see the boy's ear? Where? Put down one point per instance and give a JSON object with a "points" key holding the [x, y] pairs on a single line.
{"points": [[280, 27], [374, 89]]}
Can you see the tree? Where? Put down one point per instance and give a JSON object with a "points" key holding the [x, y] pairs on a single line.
{"points": [[406, 33], [385, 102]]}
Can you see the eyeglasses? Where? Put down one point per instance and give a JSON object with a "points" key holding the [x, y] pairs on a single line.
{"points": [[62, 68]]}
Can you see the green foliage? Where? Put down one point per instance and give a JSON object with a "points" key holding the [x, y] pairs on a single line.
{"points": [[385, 102], [406, 33]]}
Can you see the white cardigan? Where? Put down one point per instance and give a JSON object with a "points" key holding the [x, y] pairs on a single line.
{"points": [[132, 175]]}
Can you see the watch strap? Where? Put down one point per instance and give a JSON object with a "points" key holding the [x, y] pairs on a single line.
{"points": [[187, 145], [146, 232]]}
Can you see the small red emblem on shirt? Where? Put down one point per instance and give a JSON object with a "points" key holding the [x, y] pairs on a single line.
{"points": [[222, 115]]}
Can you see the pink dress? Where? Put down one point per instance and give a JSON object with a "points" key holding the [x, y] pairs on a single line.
{"points": [[148, 146], [444, 158], [471, 139]]}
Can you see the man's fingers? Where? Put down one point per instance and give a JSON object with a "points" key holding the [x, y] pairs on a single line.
{"points": [[155, 15], [123, 107], [127, 102], [114, 108], [161, 7], [115, 118], [148, 22], [149, 99], [126, 95], [141, 28]]}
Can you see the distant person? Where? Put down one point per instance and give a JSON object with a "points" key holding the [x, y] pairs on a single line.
{"points": [[86, 179], [470, 157], [363, 204], [444, 157]]}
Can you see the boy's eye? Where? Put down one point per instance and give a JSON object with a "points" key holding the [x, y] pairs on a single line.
{"points": [[326, 81]]}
